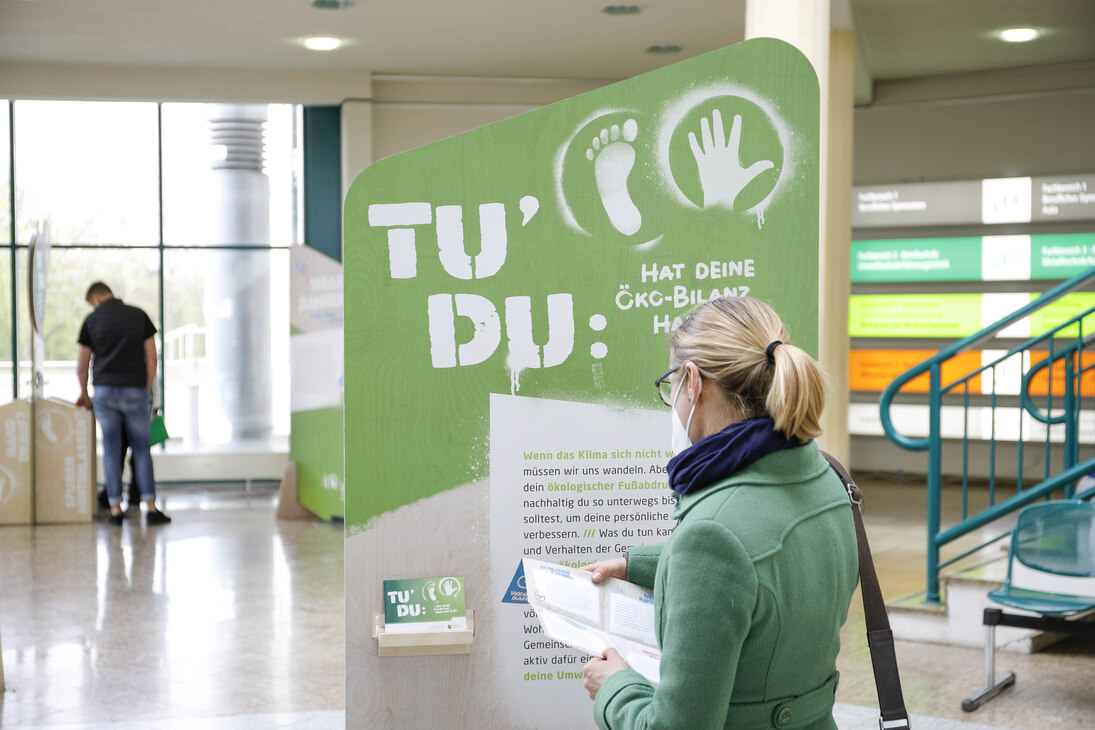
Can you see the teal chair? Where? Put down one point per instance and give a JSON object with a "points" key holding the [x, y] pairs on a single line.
{"points": [[1051, 576]]}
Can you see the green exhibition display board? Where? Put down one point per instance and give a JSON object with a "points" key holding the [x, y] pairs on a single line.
{"points": [[509, 296], [316, 380]]}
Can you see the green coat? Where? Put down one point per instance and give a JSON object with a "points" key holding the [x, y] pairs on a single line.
{"points": [[750, 593]]}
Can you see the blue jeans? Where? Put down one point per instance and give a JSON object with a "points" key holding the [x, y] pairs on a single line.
{"points": [[128, 408]]}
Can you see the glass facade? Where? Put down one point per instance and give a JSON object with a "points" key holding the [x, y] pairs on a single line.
{"points": [[90, 169], [185, 210], [7, 260]]}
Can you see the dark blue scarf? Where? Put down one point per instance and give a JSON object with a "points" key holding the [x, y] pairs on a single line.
{"points": [[715, 457]]}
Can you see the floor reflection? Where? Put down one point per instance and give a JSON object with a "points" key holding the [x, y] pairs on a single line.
{"points": [[228, 618], [224, 612]]}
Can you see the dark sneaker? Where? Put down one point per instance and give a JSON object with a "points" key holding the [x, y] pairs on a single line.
{"points": [[156, 518], [116, 519]]}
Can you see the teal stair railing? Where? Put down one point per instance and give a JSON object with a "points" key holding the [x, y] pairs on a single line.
{"points": [[1058, 375]]}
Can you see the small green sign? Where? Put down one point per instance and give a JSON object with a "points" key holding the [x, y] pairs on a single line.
{"points": [[989, 258], [1061, 255], [914, 315], [423, 600], [1069, 306], [917, 259]]}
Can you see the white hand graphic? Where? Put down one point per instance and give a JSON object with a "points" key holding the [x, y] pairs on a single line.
{"points": [[719, 163]]}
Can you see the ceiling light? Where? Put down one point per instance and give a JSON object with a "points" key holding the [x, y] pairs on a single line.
{"points": [[621, 9], [321, 43], [1018, 35], [663, 48], [332, 4]]}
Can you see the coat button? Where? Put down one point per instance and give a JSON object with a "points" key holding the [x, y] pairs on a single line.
{"points": [[783, 717]]}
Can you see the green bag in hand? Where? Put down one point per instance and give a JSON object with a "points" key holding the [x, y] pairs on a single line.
{"points": [[159, 429]]}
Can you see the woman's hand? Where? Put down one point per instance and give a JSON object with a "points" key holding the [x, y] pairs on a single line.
{"points": [[597, 670], [614, 568]]}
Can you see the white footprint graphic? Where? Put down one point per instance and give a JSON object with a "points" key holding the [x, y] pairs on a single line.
{"points": [[615, 158]]}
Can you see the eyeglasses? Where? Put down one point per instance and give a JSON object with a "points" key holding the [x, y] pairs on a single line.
{"points": [[665, 388]]}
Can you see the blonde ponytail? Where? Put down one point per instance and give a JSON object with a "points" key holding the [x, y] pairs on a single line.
{"points": [[729, 338], [797, 394]]}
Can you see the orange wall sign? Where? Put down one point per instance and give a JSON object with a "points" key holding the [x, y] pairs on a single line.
{"points": [[1040, 382], [872, 370]]}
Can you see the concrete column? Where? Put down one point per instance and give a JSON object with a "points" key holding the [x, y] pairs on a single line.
{"points": [[833, 341], [802, 23], [806, 24], [356, 118], [236, 403]]}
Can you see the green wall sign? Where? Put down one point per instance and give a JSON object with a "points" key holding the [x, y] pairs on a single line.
{"points": [[988, 258], [961, 315], [1064, 309], [917, 259], [914, 315], [1061, 255]]}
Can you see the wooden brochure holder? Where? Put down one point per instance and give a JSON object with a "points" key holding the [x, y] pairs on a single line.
{"points": [[423, 643]]}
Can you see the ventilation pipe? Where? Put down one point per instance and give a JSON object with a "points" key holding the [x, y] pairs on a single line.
{"points": [[236, 402]]}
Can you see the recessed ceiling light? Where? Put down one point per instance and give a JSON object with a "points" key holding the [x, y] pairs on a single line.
{"points": [[322, 43], [621, 9], [1018, 35], [663, 48], [332, 4]]}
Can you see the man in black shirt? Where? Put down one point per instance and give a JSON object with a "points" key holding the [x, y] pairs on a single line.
{"points": [[121, 339]]}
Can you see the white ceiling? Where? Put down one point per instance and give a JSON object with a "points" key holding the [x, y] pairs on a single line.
{"points": [[898, 39]]}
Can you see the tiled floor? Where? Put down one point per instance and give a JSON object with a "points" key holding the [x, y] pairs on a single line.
{"points": [[224, 612], [228, 619], [1053, 689], [328, 720]]}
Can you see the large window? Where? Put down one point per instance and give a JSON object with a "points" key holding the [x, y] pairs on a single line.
{"points": [[7, 260], [90, 169], [184, 210]]}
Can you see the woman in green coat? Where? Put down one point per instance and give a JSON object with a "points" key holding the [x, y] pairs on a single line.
{"points": [[753, 586]]}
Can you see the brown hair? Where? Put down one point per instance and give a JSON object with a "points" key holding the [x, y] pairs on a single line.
{"points": [[728, 340], [98, 289]]}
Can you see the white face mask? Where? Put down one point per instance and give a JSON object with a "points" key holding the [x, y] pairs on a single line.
{"points": [[680, 440]]}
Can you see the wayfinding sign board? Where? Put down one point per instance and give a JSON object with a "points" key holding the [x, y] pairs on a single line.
{"points": [[1063, 198], [916, 204], [974, 202], [970, 258]]}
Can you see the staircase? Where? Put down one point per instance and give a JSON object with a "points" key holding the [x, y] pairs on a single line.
{"points": [[1042, 432]]}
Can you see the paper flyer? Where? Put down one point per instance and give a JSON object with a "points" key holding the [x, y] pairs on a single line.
{"points": [[595, 616]]}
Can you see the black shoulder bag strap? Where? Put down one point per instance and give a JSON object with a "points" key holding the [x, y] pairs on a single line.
{"points": [[891, 703]]}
